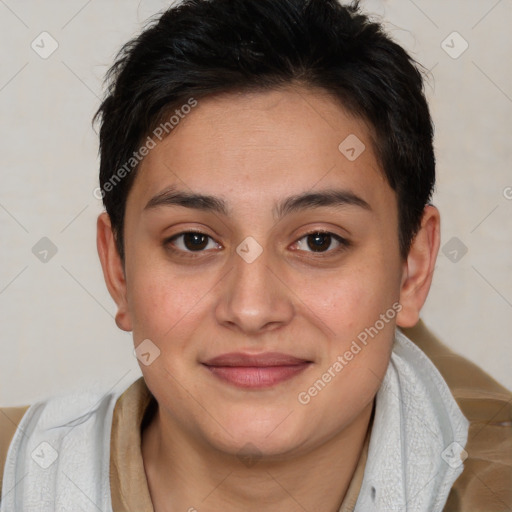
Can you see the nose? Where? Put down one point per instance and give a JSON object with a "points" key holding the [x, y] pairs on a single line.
{"points": [[254, 297]]}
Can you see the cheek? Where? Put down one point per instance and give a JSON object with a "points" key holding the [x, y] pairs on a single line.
{"points": [[362, 314], [166, 305], [356, 297]]}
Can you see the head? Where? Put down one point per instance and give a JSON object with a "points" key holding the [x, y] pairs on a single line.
{"points": [[294, 139]]}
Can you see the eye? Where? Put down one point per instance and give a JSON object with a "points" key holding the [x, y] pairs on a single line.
{"points": [[320, 241], [190, 241], [316, 242]]}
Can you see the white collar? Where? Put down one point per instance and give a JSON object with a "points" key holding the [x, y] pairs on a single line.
{"points": [[417, 439]]}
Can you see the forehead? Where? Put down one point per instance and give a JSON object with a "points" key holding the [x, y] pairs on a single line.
{"points": [[259, 145]]}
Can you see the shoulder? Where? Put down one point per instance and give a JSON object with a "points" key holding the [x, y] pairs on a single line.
{"points": [[72, 426], [485, 482], [10, 418]]}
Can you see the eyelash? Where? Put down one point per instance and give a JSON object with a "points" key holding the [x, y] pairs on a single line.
{"points": [[344, 243]]}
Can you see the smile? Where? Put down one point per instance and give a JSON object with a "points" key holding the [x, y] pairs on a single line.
{"points": [[256, 371]]}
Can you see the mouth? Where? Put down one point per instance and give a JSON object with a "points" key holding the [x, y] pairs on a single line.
{"points": [[256, 371]]}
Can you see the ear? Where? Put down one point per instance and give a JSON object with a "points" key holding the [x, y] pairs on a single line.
{"points": [[419, 268], [113, 271]]}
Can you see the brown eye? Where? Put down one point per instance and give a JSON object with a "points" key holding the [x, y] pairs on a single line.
{"points": [[321, 241], [195, 241], [190, 241]]}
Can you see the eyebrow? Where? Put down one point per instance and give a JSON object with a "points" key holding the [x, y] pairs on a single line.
{"points": [[308, 200]]}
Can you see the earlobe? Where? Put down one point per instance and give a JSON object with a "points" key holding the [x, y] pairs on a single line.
{"points": [[419, 268], [113, 271]]}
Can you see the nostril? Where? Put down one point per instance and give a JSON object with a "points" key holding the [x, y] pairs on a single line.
{"points": [[373, 493]]}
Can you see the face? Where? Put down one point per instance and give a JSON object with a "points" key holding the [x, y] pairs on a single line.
{"points": [[256, 298]]}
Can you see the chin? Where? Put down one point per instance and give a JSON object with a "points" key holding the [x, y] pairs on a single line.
{"points": [[259, 446], [250, 434]]}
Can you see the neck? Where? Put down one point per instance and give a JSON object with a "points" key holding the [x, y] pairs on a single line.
{"points": [[192, 476]]}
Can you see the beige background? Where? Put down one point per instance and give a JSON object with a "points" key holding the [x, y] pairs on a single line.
{"points": [[56, 318]]}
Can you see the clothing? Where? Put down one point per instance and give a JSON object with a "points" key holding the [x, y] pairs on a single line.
{"points": [[483, 486], [417, 439], [59, 456], [486, 482]]}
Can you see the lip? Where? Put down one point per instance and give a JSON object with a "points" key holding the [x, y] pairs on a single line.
{"points": [[256, 371]]}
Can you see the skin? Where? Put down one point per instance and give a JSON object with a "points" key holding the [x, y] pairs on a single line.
{"points": [[252, 151]]}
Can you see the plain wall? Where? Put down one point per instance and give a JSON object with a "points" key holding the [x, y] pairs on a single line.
{"points": [[57, 318]]}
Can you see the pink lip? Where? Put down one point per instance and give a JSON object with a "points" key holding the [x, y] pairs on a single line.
{"points": [[256, 371]]}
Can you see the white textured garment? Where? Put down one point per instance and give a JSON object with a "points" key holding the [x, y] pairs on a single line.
{"points": [[59, 458], [417, 440]]}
